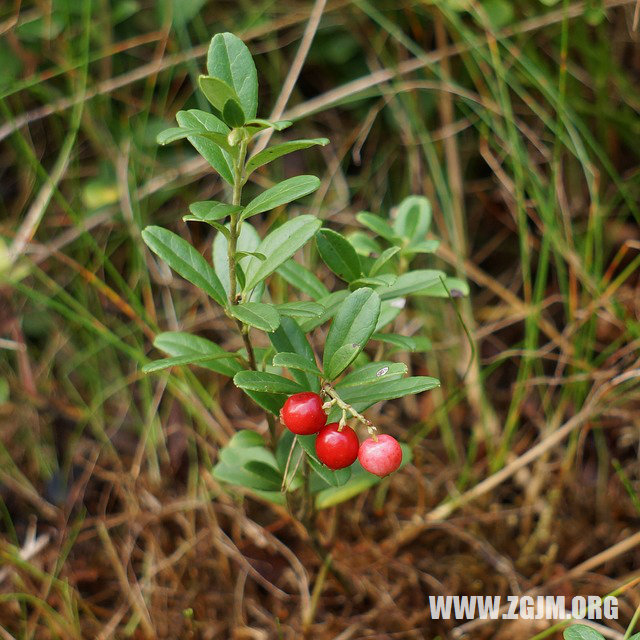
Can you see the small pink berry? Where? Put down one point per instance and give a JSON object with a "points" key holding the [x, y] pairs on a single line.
{"points": [[380, 457]]}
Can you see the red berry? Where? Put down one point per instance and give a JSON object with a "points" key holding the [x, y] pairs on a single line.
{"points": [[303, 414], [337, 449], [382, 457]]}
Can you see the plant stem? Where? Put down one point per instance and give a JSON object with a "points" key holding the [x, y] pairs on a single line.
{"points": [[232, 244], [347, 408], [238, 183]]}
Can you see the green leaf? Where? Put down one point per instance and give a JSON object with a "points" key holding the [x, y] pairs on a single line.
{"points": [[281, 193], [364, 244], [265, 382], [218, 93], [203, 360], [211, 210], [248, 241], [229, 60], [330, 477], [219, 159], [276, 151], [289, 338], [456, 287], [300, 309], [255, 125], [581, 632], [239, 276], [373, 372], [175, 133], [296, 361], [389, 311], [232, 114], [302, 279], [338, 254], [265, 471], [271, 402], [364, 396], [351, 329], [235, 474], [220, 139], [246, 462], [208, 126], [384, 257], [384, 280], [359, 482], [331, 304], [240, 454], [411, 282], [185, 260], [249, 254], [278, 246], [246, 438], [377, 225], [405, 343], [180, 344], [413, 219], [256, 314], [423, 344], [426, 246]]}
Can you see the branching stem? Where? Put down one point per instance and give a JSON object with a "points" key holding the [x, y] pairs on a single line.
{"points": [[328, 390]]}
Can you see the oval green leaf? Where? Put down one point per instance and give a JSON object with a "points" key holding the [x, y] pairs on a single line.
{"points": [[351, 329], [263, 381], [185, 260], [232, 114], [229, 60], [276, 151], [278, 246], [338, 254], [203, 360], [282, 193], [256, 314], [302, 279], [181, 344], [289, 338], [211, 210], [382, 260], [296, 361], [413, 219], [176, 133], [217, 157], [373, 372], [363, 396], [377, 225], [412, 282], [300, 309]]}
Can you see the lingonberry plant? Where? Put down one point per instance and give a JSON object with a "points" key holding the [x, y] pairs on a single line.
{"points": [[315, 455]]}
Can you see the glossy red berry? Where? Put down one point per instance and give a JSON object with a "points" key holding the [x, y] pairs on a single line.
{"points": [[380, 457], [337, 449], [303, 414]]}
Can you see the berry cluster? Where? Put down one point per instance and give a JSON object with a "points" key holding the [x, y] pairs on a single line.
{"points": [[337, 445]]}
